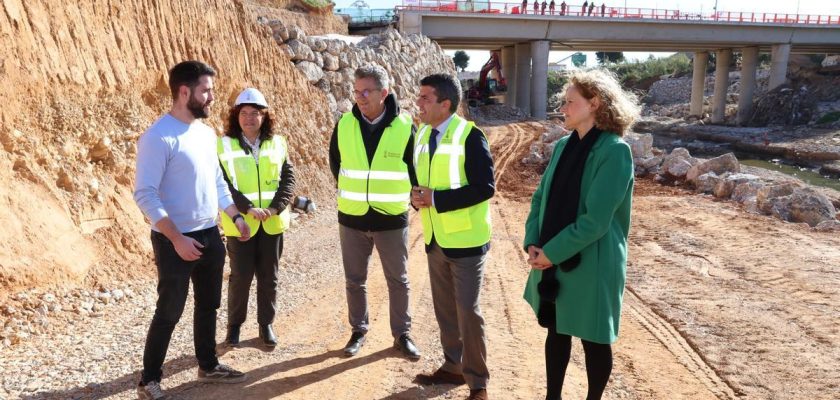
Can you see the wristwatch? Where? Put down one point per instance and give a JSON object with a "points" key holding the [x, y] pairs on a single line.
{"points": [[237, 216]]}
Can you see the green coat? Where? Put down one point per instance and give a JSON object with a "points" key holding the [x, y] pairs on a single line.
{"points": [[589, 303]]}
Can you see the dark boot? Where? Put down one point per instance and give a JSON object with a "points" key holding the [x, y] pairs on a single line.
{"points": [[407, 347], [232, 335], [267, 335], [357, 339]]}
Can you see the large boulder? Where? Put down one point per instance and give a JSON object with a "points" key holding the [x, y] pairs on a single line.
{"points": [[296, 33], [312, 72], [676, 164], [330, 62], [279, 31], [301, 51], [345, 105], [718, 165], [707, 182], [809, 206], [766, 195], [724, 188], [746, 191], [640, 144]]}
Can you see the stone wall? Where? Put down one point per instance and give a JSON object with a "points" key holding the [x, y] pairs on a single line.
{"points": [[328, 62]]}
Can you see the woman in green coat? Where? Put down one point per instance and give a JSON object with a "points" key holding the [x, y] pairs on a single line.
{"points": [[576, 232]]}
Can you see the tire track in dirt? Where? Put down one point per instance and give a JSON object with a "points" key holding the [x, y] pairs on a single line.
{"points": [[504, 145], [687, 353]]}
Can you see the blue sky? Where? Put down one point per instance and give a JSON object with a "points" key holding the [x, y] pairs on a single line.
{"points": [[823, 7]]}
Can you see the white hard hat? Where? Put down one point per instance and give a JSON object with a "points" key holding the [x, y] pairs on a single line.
{"points": [[251, 96]]}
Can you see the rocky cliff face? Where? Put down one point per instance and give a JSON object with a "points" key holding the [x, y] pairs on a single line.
{"points": [[82, 80]]}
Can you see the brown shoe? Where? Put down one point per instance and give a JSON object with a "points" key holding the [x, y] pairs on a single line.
{"points": [[478, 394], [440, 377]]}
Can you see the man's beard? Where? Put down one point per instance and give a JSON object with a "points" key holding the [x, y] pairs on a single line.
{"points": [[198, 110]]}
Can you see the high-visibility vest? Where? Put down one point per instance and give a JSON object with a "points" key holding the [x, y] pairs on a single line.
{"points": [[383, 183], [257, 180], [457, 229]]}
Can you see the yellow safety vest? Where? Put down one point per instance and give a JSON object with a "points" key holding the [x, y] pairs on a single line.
{"points": [[382, 184], [457, 229], [257, 180]]}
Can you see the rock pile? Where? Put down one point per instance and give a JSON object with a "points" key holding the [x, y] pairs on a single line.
{"points": [[721, 177], [670, 97], [328, 62], [541, 149]]}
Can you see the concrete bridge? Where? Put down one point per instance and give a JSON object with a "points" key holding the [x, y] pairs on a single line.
{"points": [[525, 40]]}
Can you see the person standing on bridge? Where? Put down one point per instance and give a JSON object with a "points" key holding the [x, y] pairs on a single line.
{"points": [[455, 174], [261, 180], [591, 8], [603, 10], [583, 8], [180, 188], [562, 8], [524, 6], [551, 7], [371, 159], [543, 5], [536, 7], [576, 232]]}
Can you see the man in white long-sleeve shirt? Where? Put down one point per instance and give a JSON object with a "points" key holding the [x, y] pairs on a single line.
{"points": [[179, 186]]}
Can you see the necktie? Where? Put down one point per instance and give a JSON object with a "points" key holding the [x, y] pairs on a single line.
{"points": [[433, 143]]}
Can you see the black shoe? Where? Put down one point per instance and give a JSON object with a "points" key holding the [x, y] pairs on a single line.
{"points": [[267, 335], [356, 341], [232, 335], [407, 347]]}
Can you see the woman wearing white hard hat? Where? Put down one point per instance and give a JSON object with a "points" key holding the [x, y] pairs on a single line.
{"points": [[256, 166]]}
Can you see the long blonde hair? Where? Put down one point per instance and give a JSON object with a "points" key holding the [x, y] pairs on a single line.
{"points": [[618, 108]]}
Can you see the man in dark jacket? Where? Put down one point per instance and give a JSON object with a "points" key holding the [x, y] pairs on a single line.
{"points": [[371, 160], [455, 175]]}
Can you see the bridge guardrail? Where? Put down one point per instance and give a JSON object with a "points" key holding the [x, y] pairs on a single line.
{"points": [[488, 7]]}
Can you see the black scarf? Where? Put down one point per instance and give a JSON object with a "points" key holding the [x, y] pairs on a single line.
{"points": [[561, 211]]}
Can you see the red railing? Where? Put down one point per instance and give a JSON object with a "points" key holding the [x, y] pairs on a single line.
{"points": [[487, 7]]}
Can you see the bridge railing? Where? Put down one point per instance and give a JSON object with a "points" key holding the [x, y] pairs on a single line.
{"points": [[577, 10]]}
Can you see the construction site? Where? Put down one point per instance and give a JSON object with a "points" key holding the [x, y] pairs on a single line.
{"points": [[732, 284]]}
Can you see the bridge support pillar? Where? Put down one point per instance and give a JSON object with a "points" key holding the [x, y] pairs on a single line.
{"points": [[722, 59], [780, 53], [749, 64], [523, 77], [698, 83], [509, 73], [539, 78]]}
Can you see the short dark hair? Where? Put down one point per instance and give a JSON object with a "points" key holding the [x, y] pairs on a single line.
{"points": [[187, 73], [446, 88]]}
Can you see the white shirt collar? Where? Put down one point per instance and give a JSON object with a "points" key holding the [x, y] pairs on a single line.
{"points": [[377, 119], [445, 124]]}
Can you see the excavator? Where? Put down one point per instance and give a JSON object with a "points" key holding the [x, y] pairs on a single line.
{"points": [[486, 88]]}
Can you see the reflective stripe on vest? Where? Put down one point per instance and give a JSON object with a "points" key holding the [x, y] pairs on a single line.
{"points": [[382, 184], [463, 228], [258, 180]]}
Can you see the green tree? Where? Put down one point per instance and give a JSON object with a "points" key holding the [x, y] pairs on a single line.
{"points": [[579, 60], [461, 60], [555, 82], [612, 57]]}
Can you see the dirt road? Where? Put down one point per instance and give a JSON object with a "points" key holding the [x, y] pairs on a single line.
{"points": [[720, 304]]}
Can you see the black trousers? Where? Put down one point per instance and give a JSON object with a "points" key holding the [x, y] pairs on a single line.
{"points": [[258, 256], [558, 349], [174, 275]]}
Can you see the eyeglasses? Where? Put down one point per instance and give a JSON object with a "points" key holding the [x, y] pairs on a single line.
{"points": [[364, 93]]}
